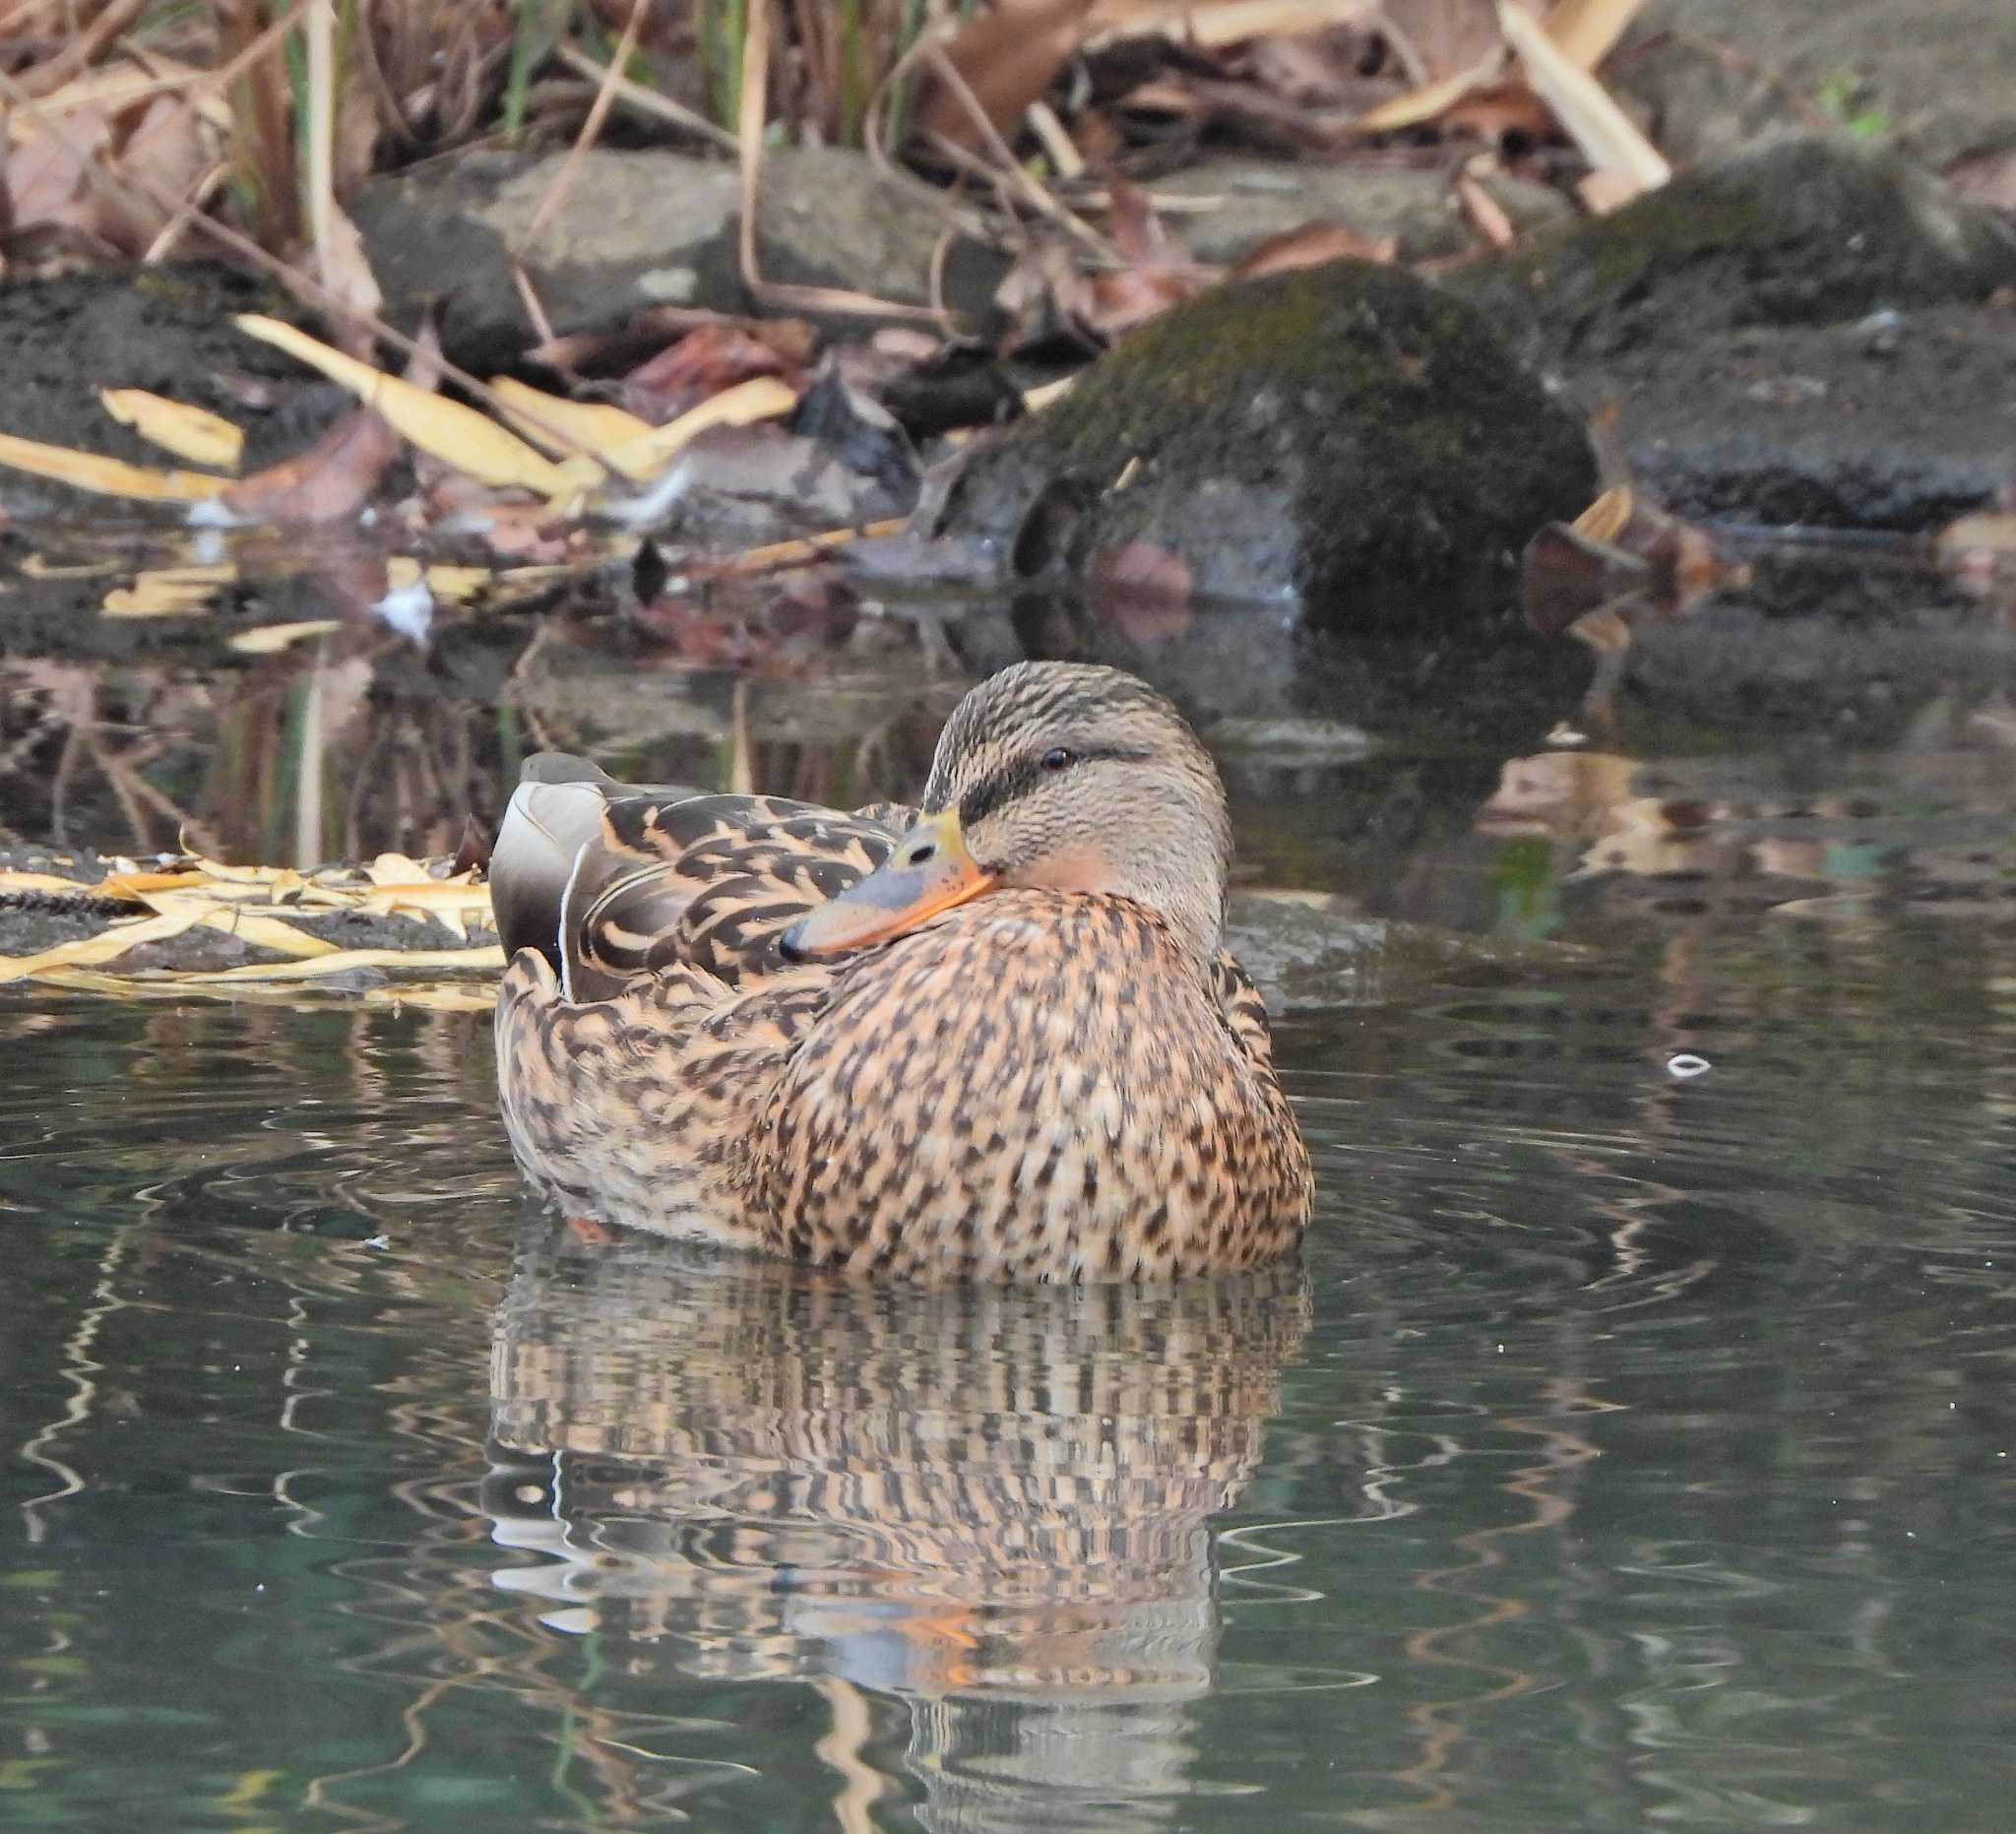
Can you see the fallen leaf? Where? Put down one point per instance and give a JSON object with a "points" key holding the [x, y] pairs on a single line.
{"points": [[262, 930], [192, 433], [762, 398], [1499, 112], [446, 431], [1606, 519], [171, 145], [566, 427], [1586, 31], [1006, 57], [348, 960], [18, 884], [1311, 245], [169, 591], [111, 477], [269, 639], [1430, 102], [329, 481], [347, 276], [105, 945], [700, 364], [1582, 105]]}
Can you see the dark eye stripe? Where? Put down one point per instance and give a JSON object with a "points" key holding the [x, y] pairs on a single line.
{"points": [[994, 794]]}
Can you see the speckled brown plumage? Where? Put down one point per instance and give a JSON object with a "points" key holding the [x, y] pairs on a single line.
{"points": [[1041, 1083]]}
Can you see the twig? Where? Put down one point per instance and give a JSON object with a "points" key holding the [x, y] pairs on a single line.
{"points": [[82, 50], [591, 130], [749, 123], [643, 100], [320, 32], [1039, 196]]}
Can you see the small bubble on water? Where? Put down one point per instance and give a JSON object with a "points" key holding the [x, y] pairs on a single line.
{"points": [[1686, 1064]]}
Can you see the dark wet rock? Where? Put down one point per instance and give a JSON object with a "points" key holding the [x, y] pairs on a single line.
{"points": [[643, 228], [166, 328], [1932, 77], [1902, 422], [1799, 231], [1256, 200], [1345, 435]]}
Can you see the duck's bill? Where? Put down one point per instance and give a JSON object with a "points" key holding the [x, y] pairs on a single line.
{"points": [[930, 871]]}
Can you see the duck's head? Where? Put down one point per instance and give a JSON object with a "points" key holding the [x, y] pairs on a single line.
{"points": [[1063, 776]]}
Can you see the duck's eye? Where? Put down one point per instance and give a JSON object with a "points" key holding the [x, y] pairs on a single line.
{"points": [[1057, 758]]}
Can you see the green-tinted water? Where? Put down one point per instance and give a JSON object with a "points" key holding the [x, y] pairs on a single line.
{"points": [[1633, 1450]]}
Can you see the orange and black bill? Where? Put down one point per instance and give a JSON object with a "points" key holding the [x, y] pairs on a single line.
{"points": [[930, 872]]}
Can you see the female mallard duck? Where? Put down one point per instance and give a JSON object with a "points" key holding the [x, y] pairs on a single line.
{"points": [[996, 1038]]}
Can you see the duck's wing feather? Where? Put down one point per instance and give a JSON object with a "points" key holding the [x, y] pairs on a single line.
{"points": [[1243, 1010], [610, 881]]}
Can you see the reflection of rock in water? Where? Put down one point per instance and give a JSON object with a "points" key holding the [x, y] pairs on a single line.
{"points": [[991, 1502]]}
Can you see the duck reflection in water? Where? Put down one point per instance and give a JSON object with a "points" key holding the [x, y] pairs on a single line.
{"points": [[990, 1502]]}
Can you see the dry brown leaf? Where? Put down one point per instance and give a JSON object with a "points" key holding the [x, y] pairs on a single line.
{"points": [[1007, 58], [705, 360], [1495, 111], [173, 148], [329, 481], [192, 433], [1583, 107], [345, 272], [49, 179], [1310, 247]]}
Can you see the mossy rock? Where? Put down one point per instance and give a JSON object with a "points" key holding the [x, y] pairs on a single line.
{"points": [[1346, 436], [1799, 231]]}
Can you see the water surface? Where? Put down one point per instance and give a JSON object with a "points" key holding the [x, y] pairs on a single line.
{"points": [[1632, 1449]]}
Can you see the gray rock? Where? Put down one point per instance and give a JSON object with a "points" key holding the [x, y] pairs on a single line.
{"points": [[1900, 422], [1265, 198], [1801, 231], [643, 228], [1347, 435], [1934, 78]]}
